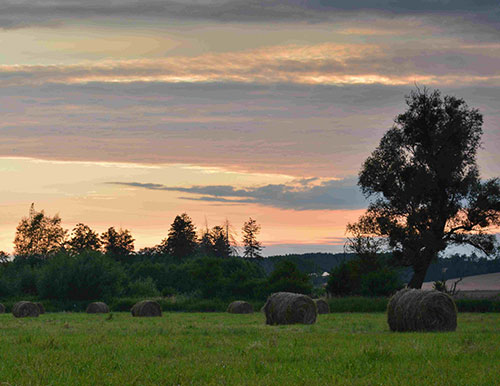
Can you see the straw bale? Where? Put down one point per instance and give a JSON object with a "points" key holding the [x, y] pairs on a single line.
{"points": [[24, 309], [146, 308], [418, 310], [97, 308], [290, 308], [240, 307]]}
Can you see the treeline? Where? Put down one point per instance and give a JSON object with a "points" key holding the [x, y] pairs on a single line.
{"points": [[42, 236], [52, 263]]}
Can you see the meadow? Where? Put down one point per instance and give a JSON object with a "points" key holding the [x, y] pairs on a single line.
{"points": [[220, 348]]}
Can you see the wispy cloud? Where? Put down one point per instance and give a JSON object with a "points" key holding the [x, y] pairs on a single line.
{"points": [[301, 194], [327, 63]]}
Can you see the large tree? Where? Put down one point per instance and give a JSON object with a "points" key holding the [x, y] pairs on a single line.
{"points": [[83, 238], [118, 244], [39, 235], [182, 241], [252, 247], [425, 184]]}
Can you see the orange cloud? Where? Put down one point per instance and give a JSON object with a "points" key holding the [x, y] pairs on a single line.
{"points": [[327, 63]]}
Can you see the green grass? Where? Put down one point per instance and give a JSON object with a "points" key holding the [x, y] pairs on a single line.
{"points": [[216, 348]]}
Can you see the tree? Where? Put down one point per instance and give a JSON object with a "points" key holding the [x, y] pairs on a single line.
{"points": [[83, 238], [215, 242], [425, 182], [39, 235], [182, 240], [252, 247], [118, 244], [288, 278]]}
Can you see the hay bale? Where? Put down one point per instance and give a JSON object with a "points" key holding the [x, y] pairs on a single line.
{"points": [[322, 306], [2, 308], [97, 308], [240, 307], [290, 308], [146, 308], [41, 308], [24, 309], [418, 310]]}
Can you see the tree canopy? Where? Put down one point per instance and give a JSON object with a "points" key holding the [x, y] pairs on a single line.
{"points": [[118, 244], [83, 238], [425, 184], [39, 235], [182, 241]]}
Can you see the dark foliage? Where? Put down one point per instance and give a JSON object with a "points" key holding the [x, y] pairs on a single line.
{"points": [[182, 241], [286, 277], [87, 276], [119, 245], [426, 185]]}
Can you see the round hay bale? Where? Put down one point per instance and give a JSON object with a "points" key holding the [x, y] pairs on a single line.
{"points": [[322, 306], [2, 308], [24, 309], [240, 307], [418, 310], [290, 308], [146, 308], [41, 308], [97, 308]]}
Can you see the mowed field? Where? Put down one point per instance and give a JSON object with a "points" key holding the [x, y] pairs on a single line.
{"points": [[217, 348]]}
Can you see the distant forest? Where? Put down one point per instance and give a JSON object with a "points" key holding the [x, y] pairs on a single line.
{"points": [[450, 267]]}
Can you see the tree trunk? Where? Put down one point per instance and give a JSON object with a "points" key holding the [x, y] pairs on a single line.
{"points": [[418, 276]]}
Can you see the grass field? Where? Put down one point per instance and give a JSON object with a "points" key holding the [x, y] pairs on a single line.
{"points": [[216, 348]]}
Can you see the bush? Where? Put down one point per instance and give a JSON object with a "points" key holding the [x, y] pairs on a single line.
{"points": [[158, 272], [143, 288], [343, 279], [372, 277], [88, 276], [286, 277], [477, 305], [383, 282]]}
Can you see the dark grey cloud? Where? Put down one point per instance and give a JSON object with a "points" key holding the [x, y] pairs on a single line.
{"points": [[21, 13], [305, 194]]}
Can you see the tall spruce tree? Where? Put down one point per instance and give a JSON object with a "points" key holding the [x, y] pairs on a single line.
{"points": [[252, 247], [182, 241]]}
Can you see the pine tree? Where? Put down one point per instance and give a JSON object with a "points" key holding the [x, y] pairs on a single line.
{"points": [[182, 241], [252, 247], [118, 244]]}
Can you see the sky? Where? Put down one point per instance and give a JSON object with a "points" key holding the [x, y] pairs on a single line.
{"points": [[128, 113]]}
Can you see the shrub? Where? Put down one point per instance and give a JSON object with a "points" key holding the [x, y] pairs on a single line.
{"points": [[143, 288], [383, 282], [286, 277], [343, 279], [87, 276]]}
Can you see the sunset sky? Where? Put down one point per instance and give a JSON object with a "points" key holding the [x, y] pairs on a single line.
{"points": [[127, 113]]}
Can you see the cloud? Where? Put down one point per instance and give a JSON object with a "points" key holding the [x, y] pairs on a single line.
{"points": [[302, 194], [19, 13], [298, 130], [320, 64]]}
